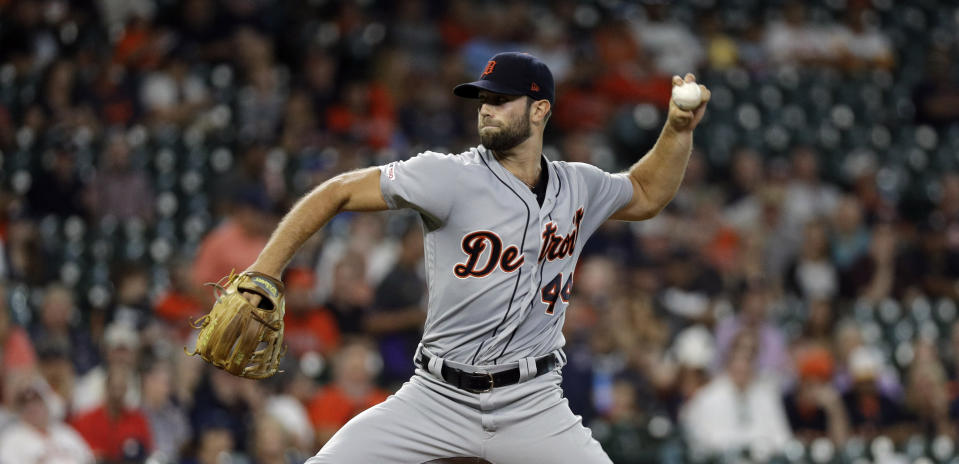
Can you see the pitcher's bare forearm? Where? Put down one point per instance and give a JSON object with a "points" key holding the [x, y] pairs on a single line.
{"points": [[657, 175], [660, 172], [353, 191]]}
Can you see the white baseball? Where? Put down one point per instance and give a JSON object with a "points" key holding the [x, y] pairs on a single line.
{"points": [[687, 96]]}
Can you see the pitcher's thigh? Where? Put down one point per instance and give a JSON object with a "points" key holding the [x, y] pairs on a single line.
{"points": [[548, 437], [409, 427]]}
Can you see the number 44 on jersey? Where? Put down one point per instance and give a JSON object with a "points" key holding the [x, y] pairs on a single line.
{"points": [[552, 291]]}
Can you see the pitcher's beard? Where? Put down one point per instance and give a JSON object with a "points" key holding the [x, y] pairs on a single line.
{"points": [[507, 137]]}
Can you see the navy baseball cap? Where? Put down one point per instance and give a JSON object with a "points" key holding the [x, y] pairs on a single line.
{"points": [[512, 73]]}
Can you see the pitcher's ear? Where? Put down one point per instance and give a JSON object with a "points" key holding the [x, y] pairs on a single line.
{"points": [[542, 110]]}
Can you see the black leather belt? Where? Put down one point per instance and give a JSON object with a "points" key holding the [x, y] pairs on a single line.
{"points": [[482, 383]]}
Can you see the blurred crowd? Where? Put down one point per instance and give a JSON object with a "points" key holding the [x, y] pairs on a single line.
{"points": [[797, 300]]}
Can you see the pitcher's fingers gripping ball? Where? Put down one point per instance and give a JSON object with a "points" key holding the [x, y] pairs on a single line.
{"points": [[243, 333], [689, 101]]}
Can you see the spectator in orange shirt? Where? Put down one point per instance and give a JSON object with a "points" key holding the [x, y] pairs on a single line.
{"points": [[365, 113], [139, 47], [308, 327], [235, 243], [628, 75], [351, 392], [112, 428]]}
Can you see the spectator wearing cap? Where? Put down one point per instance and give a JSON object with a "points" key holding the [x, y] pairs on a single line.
{"points": [[738, 411], [132, 300], [847, 340], [121, 345], [115, 431], [693, 351], [222, 400], [871, 411], [37, 437], [287, 404], [814, 407], [235, 244], [58, 373]]}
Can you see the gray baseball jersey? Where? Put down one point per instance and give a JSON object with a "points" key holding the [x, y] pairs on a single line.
{"points": [[499, 266], [500, 274]]}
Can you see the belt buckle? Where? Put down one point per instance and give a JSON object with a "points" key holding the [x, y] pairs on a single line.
{"points": [[488, 389]]}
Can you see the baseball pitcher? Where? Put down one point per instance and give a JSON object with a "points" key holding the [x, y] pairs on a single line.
{"points": [[503, 229]]}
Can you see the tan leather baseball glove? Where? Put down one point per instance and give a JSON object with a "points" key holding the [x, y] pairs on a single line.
{"points": [[243, 333]]}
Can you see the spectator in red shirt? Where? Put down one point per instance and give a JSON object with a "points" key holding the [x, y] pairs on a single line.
{"points": [[114, 431], [629, 74], [235, 243], [351, 392], [309, 327], [180, 302]]}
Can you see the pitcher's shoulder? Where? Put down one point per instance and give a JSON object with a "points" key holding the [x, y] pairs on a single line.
{"points": [[469, 157], [573, 169]]}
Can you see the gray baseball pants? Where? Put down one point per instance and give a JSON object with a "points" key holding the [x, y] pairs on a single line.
{"points": [[429, 419]]}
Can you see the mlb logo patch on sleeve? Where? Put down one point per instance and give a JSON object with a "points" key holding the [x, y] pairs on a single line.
{"points": [[390, 171]]}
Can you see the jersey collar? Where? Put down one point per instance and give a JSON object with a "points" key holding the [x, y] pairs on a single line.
{"points": [[552, 183]]}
